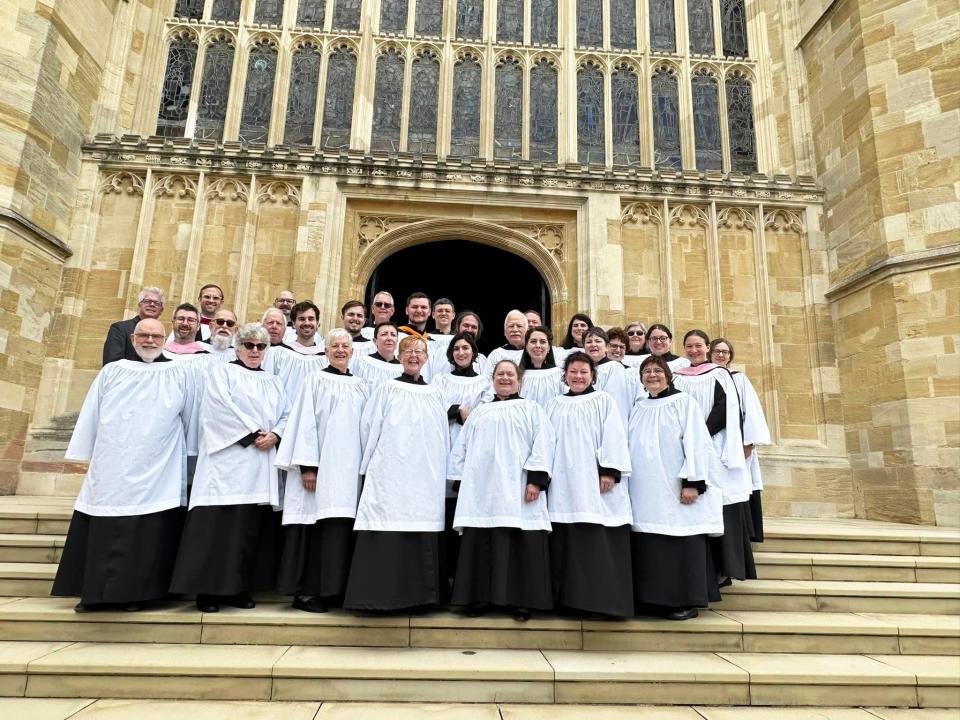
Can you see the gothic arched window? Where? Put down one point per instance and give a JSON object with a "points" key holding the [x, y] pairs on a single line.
{"points": [[258, 96], [465, 136], [191, 9], [177, 84], [508, 112], [706, 121], [663, 27], [700, 26], [226, 10], [338, 99], [393, 16], [510, 21], [543, 112], [589, 23], [302, 97], [623, 24], [543, 22], [268, 12], [387, 102], [346, 15], [310, 13], [590, 130], [424, 92], [625, 91], [743, 147], [470, 19], [214, 90], [666, 120], [428, 18], [734, 28]]}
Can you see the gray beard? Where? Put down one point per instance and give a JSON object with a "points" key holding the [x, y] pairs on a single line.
{"points": [[220, 342], [148, 355]]}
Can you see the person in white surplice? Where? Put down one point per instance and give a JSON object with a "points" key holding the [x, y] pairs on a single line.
{"points": [[542, 379], [381, 365], [405, 441], [230, 543], [135, 428], [322, 454], [676, 504], [503, 459], [589, 505], [612, 376]]}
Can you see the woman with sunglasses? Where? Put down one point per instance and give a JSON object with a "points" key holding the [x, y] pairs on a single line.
{"points": [[637, 350], [231, 539]]}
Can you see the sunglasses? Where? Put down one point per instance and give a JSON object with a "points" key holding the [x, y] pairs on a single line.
{"points": [[221, 322], [381, 304], [636, 333], [254, 346]]}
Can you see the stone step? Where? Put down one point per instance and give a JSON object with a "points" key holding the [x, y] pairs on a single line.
{"points": [[310, 673], [857, 537], [53, 619], [114, 709], [30, 548], [834, 566]]}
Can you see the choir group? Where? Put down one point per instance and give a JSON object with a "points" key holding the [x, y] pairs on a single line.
{"points": [[399, 469]]}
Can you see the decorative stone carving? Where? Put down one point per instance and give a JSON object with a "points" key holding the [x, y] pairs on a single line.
{"points": [[371, 227], [782, 220], [122, 182], [688, 216], [227, 189], [641, 213], [175, 186], [736, 218], [279, 191]]}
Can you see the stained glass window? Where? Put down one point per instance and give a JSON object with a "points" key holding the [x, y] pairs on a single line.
{"points": [[470, 19], [663, 28], [424, 84], [623, 24], [666, 120], [543, 112], [387, 102], [510, 21], [465, 137], [590, 135], [258, 97], [214, 90], [706, 121], [700, 26], [589, 23], [428, 18], [734, 28], [310, 13], [268, 12], [226, 10], [393, 16], [177, 85], [346, 15], [338, 100], [189, 9], [302, 97], [625, 91], [743, 148], [543, 22], [508, 112]]}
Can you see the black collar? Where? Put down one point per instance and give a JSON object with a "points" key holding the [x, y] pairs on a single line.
{"points": [[515, 396], [245, 367], [464, 372], [381, 358], [671, 390], [571, 393], [333, 371], [404, 377]]}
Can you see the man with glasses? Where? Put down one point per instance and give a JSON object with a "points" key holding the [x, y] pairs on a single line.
{"points": [[183, 341], [119, 345], [224, 327], [381, 310], [209, 299]]}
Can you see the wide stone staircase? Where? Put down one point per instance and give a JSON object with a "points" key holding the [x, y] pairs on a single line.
{"points": [[852, 620]]}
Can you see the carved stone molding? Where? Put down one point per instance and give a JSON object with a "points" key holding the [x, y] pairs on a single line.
{"points": [[371, 227], [688, 216], [641, 213], [167, 186], [122, 182], [782, 220], [736, 218], [227, 189], [278, 192]]}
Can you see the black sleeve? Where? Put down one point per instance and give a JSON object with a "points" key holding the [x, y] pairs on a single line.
{"points": [[540, 478], [308, 468], [114, 347], [610, 471], [699, 485], [717, 419], [248, 440], [453, 413]]}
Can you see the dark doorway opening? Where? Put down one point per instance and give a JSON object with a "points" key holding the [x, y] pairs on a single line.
{"points": [[478, 277]]}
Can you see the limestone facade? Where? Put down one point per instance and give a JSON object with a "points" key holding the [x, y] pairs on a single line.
{"points": [[833, 269]]}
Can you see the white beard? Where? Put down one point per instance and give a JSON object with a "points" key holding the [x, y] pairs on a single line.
{"points": [[148, 355], [220, 342]]}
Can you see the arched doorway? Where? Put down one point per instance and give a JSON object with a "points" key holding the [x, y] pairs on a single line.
{"points": [[485, 279]]}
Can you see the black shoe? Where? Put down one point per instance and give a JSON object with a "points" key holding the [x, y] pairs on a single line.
{"points": [[687, 614], [726, 582], [477, 609], [521, 613], [132, 607], [313, 605], [207, 604], [241, 600], [81, 608]]}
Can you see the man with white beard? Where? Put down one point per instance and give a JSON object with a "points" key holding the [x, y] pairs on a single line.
{"points": [[136, 426], [220, 346]]}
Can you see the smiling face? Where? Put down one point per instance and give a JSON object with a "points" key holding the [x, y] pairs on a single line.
{"points": [[148, 338], [506, 381], [185, 324], [418, 310], [386, 341], [637, 337], [285, 302], [413, 357], [514, 328], [443, 316], [150, 307], [720, 355], [469, 324], [578, 376], [339, 352], [306, 327], [462, 354], [224, 324], [537, 347], [382, 307], [695, 348], [577, 329], [660, 342], [654, 379], [354, 318], [616, 349], [210, 301], [595, 347]]}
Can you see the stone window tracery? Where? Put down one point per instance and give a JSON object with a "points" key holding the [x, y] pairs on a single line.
{"points": [[543, 112], [302, 97], [663, 26], [589, 23], [706, 121], [338, 99], [258, 96], [743, 150], [226, 11], [470, 19], [734, 28], [177, 86], [700, 26], [666, 119], [424, 93], [311, 13], [625, 89], [510, 21], [268, 12], [192, 9], [543, 22], [508, 115], [214, 90], [346, 15], [393, 16], [388, 102], [465, 136], [428, 18], [623, 24], [590, 115]]}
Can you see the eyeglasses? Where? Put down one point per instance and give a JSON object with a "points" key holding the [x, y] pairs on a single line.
{"points": [[418, 353], [658, 338], [284, 301], [653, 371], [383, 305], [210, 297], [635, 333], [260, 347], [151, 336], [221, 322], [720, 352], [188, 320], [152, 302], [616, 346]]}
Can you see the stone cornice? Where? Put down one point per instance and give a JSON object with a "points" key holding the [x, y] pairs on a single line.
{"points": [[406, 170], [34, 234], [895, 265]]}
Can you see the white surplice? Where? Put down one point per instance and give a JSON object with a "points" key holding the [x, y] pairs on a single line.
{"points": [[669, 443], [612, 378], [756, 432], [374, 370], [293, 368], [136, 427], [462, 390], [501, 441], [502, 353], [542, 386], [323, 431]]}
